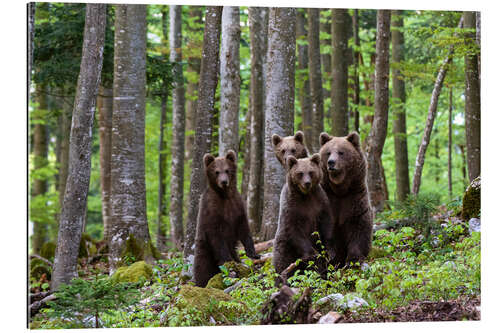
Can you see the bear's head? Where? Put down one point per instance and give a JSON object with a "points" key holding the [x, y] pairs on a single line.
{"points": [[289, 146], [221, 171], [304, 173], [341, 156]]}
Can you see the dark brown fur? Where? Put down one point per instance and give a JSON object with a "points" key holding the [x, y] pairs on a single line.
{"points": [[344, 181], [222, 220], [304, 209], [289, 146]]}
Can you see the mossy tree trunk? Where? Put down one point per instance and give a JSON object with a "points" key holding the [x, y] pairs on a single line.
{"points": [[75, 198]]}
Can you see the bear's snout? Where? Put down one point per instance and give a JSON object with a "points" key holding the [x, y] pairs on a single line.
{"points": [[331, 164]]}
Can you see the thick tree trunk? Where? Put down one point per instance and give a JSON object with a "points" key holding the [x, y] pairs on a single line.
{"points": [[258, 19], [303, 82], [204, 119], [178, 129], [472, 101], [128, 192], [280, 90], [340, 63], [326, 59], [315, 79], [64, 135], [229, 80], [399, 117], [192, 75], [431, 115], [450, 143], [378, 131], [75, 198], [464, 166], [356, 55]]}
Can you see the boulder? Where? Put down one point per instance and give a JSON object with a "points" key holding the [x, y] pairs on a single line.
{"points": [[137, 272], [474, 225]]}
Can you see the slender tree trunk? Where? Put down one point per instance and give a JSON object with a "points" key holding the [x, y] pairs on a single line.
{"points": [[161, 230], [431, 115], [105, 106], [31, 40], [399, 117], [258, 18], [128, 192], [280, 90], [378, 132], [315, 78], [326, 59], [192, 75], [65, 130], [478, 42], [245, 173], [472, 101], [204, 119], [229, 80], [75, 198], [340, 63], [303, 82], [356, 55], [178, 128], [450, 143]]}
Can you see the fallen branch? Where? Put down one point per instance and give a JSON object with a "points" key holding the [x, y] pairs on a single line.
{"points": [[36, 306], [265, 257], [261, 247], [48, 262]]}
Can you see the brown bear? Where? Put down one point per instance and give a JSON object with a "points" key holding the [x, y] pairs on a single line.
{"points": [[222, 220], [289, 146], [304, 214], [344, 182]]}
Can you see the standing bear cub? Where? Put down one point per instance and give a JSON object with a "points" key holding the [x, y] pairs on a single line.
{"points": [[222, 220], [289, 146], [344, 181], [304, 214]]}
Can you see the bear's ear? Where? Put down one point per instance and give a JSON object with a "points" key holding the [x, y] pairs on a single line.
{"points": [[207, 159], [324, 138], [353, 138], [299, 136], [231, 155], [316, 158], [290, 161], [276, 139]]}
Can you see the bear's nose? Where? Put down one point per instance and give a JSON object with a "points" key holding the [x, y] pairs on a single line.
{"points": [[331, 164], [224, 182], [307, 184]]}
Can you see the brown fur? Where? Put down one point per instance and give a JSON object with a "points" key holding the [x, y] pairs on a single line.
{"points": [[222, 220], [289, 146], [304, 209], [344, 181]]}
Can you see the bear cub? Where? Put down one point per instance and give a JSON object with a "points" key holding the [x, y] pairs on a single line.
{"points": [[344, 182], [222, 220], [304, 213], [289, 146]]}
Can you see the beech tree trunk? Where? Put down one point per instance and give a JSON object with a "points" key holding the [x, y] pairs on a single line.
{"points": [[431, 115], [75, 198], [303, 82], [399, 117], [64, 136], [128, 192], [178, 129], [204, 119], [258, 19], [450, 143], [280, 91], [105, 106], [340, 63], [356, 55], [378, 131], [315, 79], [229, 80], [326, 59], [472, 101]]}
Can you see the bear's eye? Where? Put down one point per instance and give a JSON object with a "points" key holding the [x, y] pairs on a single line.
{"points": [[341, 153], [226, 171], [293, 151], [300, 174], [283, 151], [311, 174], [327, 153], [217, 173]]}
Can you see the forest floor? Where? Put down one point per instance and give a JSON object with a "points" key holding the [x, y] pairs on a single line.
{"points": [[417, 272]]}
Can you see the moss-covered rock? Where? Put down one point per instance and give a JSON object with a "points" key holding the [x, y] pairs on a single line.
{"points": [[137, 272], [235, 270], [48, 250], [216, 282], [38, 268], [377, 252], [471, 203], [205, 306]]}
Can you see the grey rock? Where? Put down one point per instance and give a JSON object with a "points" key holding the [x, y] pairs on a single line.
{"points": [[474, 225]]}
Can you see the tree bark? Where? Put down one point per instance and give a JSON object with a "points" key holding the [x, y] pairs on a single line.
{"points": [[450, 143], [64, 136], [356, 55], [204, 118], [128, 192], [472, 101], [258, 18], [280, 90], [340, 63], [229, 80], [431, 115], [315, 79], [75, 198], [378, 131], [326, 59], [178, 129], [31, 41], [399, 118], [161, 230], [303, 82]]}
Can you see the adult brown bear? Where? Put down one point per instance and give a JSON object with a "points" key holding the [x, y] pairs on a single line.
{"points": [[222, 220], [344, 181]]}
